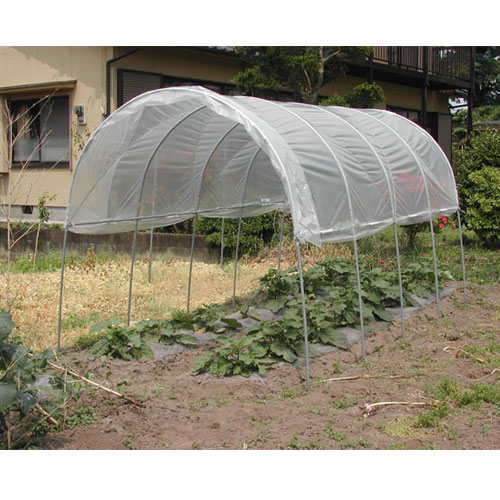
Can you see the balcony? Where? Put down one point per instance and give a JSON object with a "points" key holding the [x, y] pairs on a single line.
{"points": [[449, 62], [445, 67]]}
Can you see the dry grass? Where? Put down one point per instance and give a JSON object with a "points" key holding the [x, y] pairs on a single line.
{"points": [[99, 291]]}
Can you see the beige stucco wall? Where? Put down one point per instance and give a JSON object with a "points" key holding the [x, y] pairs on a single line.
{"points": [[86, 66], [395, 95], [33, 66]]}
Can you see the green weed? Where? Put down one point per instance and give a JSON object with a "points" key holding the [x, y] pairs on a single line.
{"points": [[287, 393], [80, 415], [129, 442], [297, 444], [345, 402], [433, 417], [341, 438]]}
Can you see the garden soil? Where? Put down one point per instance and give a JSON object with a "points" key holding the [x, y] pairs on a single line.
{"points": [[186, 411]]}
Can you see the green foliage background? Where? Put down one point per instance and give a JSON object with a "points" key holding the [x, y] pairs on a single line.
{"points": [[477, 168], [256, 232]]}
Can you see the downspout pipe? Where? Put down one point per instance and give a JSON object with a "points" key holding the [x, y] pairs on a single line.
{"points": [[108, 76]]}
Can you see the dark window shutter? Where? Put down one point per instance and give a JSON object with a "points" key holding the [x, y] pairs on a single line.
{"points": [[134, 84]]}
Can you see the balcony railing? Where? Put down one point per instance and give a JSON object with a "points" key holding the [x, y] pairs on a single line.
{"points": [[448, 62]]}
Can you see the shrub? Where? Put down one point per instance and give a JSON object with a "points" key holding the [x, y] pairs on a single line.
{"points": [[477, 168], [413, 230], [255, 232], [365, 95], [483, 205]]}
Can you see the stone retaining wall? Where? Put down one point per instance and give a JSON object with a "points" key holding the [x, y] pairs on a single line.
{"points": [[164, 243]]}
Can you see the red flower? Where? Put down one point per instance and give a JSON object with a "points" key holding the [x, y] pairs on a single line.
{"points": [[453, 227], [380, 261], [441, 225]]}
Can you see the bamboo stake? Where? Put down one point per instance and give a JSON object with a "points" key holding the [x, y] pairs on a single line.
{"points": [[95, 384]]}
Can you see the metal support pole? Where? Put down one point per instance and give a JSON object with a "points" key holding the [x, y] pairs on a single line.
{"points": [[436, 279], [191, 263], [132, 262], [281, 238], [61, 288], [150, 260], [462, 251], [401, 301], [236, 258], [222, 243], [361, 320], [304, 315]]}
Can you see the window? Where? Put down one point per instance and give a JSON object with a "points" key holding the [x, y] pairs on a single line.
{"points": [[411, 114], [131, 83], [40, 131]]}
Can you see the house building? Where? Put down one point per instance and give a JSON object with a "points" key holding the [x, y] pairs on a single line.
{"points": [[61, 94]]}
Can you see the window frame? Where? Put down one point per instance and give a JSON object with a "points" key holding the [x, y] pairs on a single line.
{"points": [[12, 99], [405, 112]]}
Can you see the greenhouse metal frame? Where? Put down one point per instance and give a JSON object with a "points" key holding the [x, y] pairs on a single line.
{"points": [[180, 152]]}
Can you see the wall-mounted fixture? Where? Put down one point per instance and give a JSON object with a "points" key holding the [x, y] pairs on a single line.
{"points": [[80, 114]]}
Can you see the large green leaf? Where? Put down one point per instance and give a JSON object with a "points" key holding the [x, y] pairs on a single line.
{"points": [[253, 313], [8, 395], [232, 323], [101, 347], [300, 349], [103, 325], [26, 401], [257, 351], [201, 362], [283, 351], [184, 339], [11, 353], [334, 337], [383, 314], [6, 325], [136, 340], [274, 305]]}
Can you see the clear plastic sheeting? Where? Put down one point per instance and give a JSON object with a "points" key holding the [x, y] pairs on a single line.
{"points": [[343, 173]]}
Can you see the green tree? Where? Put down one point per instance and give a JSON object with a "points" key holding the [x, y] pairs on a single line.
{"points": [[477, 168], [304, 70], [487, 68], [480, 114], [365, 95]]}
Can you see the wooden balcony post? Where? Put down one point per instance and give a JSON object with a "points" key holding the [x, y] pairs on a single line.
{"points": [[470, 93], [423, 110]]}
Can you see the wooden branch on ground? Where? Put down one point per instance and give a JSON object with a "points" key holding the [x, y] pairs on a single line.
{"points": [[47, 415], [371, 408], [462, 351], [364, 376], [95, 384], [489, 374]]}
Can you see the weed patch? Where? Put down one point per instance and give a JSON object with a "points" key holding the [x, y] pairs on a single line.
{"points": [[297, 444]]}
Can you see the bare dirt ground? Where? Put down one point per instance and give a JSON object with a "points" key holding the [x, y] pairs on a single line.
{"points": [[186, 411]]}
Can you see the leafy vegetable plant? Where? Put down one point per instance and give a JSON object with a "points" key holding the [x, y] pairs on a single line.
{"points": [[18, 403]]}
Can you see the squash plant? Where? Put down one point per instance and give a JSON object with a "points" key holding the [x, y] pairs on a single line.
{"points": [[18, 370], [131, 342], [235, 357]]}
